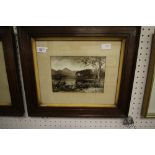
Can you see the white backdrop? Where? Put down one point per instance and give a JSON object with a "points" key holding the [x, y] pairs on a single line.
{"points": [[135, 106]]}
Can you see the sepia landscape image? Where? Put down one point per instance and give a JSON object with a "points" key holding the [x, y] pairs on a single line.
{"points": [[84, 74]]}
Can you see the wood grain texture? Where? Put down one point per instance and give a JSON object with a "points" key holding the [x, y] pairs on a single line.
{"points": [[130, 34]]}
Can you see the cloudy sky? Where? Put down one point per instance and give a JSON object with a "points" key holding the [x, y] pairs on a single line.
{"points": [[70, 62]]}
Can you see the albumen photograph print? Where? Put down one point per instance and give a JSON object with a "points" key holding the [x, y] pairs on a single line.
{"points": [[83, 74]]}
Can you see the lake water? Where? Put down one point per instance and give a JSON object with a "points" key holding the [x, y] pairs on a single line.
{"points": [[70, 81], [70, 86]]}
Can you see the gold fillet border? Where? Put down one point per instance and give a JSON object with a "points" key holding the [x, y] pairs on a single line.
{"points": [[33, 41]]}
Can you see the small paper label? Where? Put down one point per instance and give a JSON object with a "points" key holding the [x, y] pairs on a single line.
{"points": [[106, 46], [42, 49]]}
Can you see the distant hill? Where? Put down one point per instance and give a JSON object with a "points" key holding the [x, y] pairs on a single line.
{"points": [[65, 72], [71, 74]]}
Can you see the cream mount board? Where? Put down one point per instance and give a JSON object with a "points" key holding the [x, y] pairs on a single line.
{"points": [[80, 48], [135, 106], [5, 98]]}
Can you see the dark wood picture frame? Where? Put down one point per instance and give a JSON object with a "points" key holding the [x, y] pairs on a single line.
{"points": [[149, 82], [8, 41], [130, 34]]}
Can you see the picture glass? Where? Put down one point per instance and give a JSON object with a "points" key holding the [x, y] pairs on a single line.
{"points": [[77, 72], [5, 98]]}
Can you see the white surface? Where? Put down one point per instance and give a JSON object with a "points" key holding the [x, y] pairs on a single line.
{"points": [[42, 49], [106, 46], [135, 106]]}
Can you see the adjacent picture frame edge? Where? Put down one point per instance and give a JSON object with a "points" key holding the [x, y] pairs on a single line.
{"points": [[149, 81], [17, 108]]}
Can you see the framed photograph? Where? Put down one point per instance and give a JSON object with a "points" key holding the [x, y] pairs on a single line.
{"points": [[148, 108], [78, 71], [11, 103]]}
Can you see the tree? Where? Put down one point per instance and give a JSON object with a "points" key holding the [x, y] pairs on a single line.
{"points": [[96, 62]]}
